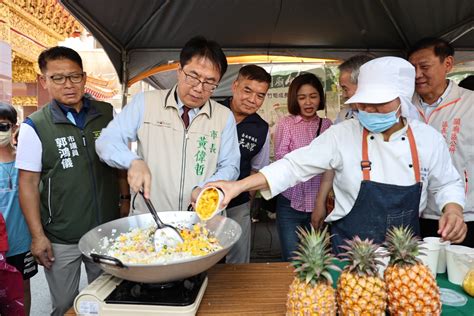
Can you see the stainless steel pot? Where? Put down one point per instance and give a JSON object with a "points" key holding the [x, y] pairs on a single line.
{"points": [[226, 230]]}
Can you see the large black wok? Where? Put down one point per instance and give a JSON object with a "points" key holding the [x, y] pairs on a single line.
{"points": [[226, 230]]}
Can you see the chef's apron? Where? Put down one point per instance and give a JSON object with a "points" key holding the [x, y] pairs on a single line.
{"points": [[380, 206]]}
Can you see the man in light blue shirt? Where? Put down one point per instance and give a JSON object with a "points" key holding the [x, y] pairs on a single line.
{"points": [[184, 139]]}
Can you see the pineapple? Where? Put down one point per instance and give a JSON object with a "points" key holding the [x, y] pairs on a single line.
{"points": [[360, 290], [411, 287], [311, 292]]}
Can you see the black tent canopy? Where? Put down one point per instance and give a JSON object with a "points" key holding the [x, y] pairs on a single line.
{"points": [[139, 35]]}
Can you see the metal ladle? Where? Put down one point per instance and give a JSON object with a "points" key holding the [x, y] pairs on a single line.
{"points": [[165, 235]]}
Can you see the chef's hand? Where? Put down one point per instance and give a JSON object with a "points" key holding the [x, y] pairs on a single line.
{"points": [[451, 224], [139, 176], [230, 189], [318, 215], [42, 251]]}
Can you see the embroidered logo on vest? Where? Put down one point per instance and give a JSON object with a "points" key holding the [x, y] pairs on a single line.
{"points": [[201, 154], [67, 149], [247, 141], [96, 134]]}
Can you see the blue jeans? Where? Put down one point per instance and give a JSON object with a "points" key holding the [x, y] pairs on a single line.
{"points": [[288, 219]]}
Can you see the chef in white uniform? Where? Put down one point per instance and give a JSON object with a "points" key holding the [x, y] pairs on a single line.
{"points": [[384, 163]]}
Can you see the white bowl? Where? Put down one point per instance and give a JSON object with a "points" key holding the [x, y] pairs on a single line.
{"points": [[430, 256], [216, 209], [442, 251], [458, 260]]}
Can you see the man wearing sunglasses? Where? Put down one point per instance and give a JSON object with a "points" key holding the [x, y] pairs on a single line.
{"points": [[184, 138], [65, 190]]}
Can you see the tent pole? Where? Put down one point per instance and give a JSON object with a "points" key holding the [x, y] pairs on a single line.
{"points": [[462, 27], [461, 35], [124, 77]]}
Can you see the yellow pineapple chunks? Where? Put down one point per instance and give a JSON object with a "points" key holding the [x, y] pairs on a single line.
{"points": [[207, 203]]}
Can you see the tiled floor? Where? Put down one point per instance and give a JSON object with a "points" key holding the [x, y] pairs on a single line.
{"points": [[40, 298]]}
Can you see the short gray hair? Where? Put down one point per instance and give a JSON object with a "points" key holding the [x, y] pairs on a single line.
{"points": [[353, 64]]}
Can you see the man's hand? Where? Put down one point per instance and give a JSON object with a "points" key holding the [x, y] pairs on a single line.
{"points": [[451, 225], [42, 251], [139, 176], [29, 201], [231, 189]]}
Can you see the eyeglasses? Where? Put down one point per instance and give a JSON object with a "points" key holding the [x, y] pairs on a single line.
{"points": [[4, 126], [193, 81], [61, 79]]}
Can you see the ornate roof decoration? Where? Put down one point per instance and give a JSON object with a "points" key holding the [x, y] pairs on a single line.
{"points": [[100, 89], [23, 70], [25, 101], [30, 26]]}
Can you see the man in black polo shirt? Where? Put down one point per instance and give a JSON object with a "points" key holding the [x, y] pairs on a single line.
{"points": [[249, 90]]}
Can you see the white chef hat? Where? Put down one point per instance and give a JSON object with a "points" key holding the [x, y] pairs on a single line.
{"points": [[384, 79]]}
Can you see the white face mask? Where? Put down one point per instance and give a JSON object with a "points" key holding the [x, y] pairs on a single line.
{"points": [[5, 138]]}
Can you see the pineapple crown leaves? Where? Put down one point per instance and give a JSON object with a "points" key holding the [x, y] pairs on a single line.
{"points": [[363, 256], [313, 259], [403, 246]]}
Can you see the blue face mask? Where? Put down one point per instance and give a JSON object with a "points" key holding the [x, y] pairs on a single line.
{"points": [[378, 122]]}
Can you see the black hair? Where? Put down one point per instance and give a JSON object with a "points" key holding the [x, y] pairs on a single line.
{"points": [[55, 53], [306, 78], [254, 72], [200, 46], [8, 112], [441, 47]]}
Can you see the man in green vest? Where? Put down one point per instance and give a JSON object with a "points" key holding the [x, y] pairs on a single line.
{"points": [[65, 190]]}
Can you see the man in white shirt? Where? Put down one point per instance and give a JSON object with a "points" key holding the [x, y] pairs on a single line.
{"points": [[384, 164], [450, 110]]}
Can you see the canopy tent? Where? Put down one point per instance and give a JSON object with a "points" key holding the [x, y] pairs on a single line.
{"points": [[139, 35]]}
